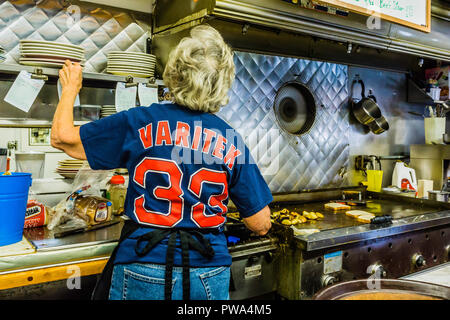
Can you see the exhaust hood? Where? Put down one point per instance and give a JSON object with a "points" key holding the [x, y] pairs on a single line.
{"points": [[283, 28]]}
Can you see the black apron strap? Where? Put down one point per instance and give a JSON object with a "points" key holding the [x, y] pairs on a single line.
{"points": [[152, 238], [170, 253], [189, 239], [103, 285], [184, 239]]}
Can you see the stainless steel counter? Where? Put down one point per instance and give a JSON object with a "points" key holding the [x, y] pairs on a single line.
{"points": [[50, 251]]}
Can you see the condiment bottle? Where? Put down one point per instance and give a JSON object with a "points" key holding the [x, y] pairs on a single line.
{"points": [[117, 192]]}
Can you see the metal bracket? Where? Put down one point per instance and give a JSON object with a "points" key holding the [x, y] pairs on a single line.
{"points": [[39, 74], [152, 83], [245, 28], [129, 82]]}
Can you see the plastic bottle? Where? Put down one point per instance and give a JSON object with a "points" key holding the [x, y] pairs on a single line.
{"points": [[117, 192]]}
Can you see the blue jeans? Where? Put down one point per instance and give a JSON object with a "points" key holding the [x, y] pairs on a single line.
{"points": [[139, 281]]}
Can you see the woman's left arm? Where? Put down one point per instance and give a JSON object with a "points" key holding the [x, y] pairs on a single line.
{"points": [[64, 135]]}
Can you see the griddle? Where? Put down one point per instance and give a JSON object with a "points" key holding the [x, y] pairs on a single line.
{"points": [[379, 204], [338, 219]]}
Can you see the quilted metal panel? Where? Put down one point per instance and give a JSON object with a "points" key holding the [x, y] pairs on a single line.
{"points": [[288, 162], [96, 29]]}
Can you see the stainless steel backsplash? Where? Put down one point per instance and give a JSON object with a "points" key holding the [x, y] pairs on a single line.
{"points": [[287, 162]]}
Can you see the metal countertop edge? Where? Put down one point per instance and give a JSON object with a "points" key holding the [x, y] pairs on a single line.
{"points": [[54, 265], [43, 259]]}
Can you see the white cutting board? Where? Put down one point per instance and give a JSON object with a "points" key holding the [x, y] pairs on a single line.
{"points": [[19, 248]]}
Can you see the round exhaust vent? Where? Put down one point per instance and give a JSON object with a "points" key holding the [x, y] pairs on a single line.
{"points": [[295, 108]]}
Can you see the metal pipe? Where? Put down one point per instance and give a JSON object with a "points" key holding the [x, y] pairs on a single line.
{"points": [[439, 11]]}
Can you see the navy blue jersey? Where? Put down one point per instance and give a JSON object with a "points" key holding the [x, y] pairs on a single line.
{"points": [[184, 166]]}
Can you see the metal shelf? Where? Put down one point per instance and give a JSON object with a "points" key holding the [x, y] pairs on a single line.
{"points": [[53, 72], [105, 78], [31, 123]]}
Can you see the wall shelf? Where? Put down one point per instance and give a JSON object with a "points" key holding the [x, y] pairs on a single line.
{"points": [[48, 96], [54, 73], [30, 123]]}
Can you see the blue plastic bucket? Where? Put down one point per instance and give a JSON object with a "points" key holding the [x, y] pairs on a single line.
{"points": [[13, 204]]}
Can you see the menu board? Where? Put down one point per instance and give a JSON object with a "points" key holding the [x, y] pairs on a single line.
{"points": [[411, 13]]}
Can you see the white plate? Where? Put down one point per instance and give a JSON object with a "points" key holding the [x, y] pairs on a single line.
{"points": [[127, 56], [131, 69], [130, 63], [51, 56], [71, 162], [51, 43], [61, 60], [137, 54], [68, 175], [53, 53], [65, 50], [132, 74], [135, 75], [40, 63], [131, 60]]}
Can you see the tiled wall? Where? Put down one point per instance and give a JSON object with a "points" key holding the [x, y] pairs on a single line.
{"points": [[98, 30]]}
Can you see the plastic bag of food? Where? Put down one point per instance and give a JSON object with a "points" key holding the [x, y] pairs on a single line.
{"points": [[87, 183], [93, 210]]}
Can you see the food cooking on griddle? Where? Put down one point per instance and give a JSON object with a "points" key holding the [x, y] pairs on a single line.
{"points": [[289, 218]]}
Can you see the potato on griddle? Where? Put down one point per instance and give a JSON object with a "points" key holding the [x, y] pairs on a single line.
{"points": [[309, 215], [319, 215]]}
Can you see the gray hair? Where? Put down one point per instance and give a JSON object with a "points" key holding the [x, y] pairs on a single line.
{"points": [[200, 70]]}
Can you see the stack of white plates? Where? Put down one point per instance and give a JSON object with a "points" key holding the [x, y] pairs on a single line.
{"points": [[2, 54], [107, 111], [135, 64], [49, 54], [69, 168]]}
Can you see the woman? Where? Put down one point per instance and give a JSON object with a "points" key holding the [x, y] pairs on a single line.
{"points": [[184, 163]]}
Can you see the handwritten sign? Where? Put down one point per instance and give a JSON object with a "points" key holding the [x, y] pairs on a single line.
{"points": [[125, 97], [411, 13], [24, 91], [147, 95]]}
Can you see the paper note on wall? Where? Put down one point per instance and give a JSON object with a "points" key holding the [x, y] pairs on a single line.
{"points": [[24, 91], [125, 97], [147, 95], [77, 99]]}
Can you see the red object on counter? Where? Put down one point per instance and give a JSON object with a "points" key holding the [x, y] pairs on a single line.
{"points": [[117, 180], [36, 215], [407, 185]]}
